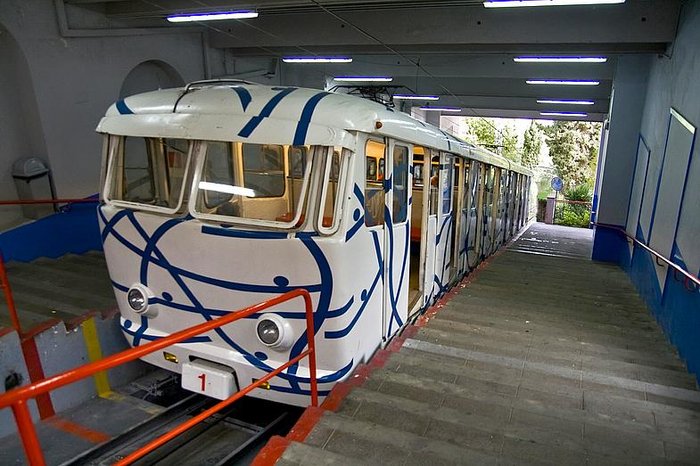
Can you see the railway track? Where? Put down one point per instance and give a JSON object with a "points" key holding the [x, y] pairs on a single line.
{"points": [[231, 437]]}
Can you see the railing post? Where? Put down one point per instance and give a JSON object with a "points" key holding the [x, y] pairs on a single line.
{"points": [[5, 285], [25, 426], [311, 337]]}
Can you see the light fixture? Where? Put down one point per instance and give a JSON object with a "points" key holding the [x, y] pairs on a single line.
{"points": [[441, 109], [226, 189], [565, 102], [415, 97], [274, 331], [560, 59], [384, 79], [213, 16], [564, 114], [137, 298], [526, 3], [317, 59], [560, 82]]}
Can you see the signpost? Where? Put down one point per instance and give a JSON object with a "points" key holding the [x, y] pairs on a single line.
{"points": [[557, 185]]}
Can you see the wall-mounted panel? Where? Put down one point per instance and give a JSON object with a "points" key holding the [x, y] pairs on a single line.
{"points": [[640, 175], [668, 201], [688, 235]]}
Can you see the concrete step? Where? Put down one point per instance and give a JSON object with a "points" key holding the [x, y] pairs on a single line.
{"points": [[560, 390], [377, 444], [569, 358], [545, 337], [62, 288], [300, 454], [574, 314], [565, 440]]}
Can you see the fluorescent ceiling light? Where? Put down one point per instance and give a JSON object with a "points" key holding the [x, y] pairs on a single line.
{"points": [[317, 59], [415, 97], [226, 188], [521, 3], [565, 102], [560, 59], [564, 114], [441, 109], [384, 79], [559, 82], [214, 16]]}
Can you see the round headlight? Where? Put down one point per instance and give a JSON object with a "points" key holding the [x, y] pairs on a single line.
{"points": [[268, 332], [274, 331], [137, 300]]}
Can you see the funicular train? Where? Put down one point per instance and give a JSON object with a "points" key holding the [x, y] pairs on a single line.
{"points": [[224, 194]]}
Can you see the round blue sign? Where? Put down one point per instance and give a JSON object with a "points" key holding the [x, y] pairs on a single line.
{"points": [[557, 184]]}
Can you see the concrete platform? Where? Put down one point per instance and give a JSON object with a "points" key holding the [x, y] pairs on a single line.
{"points": [[541, 357]]}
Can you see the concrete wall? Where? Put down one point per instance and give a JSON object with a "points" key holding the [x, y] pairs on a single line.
{"points": [[54, 88], [655, 190]]}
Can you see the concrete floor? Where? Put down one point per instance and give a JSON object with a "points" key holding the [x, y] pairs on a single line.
{"points": [[544, 358]]}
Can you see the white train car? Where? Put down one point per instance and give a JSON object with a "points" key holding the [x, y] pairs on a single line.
{"points": [[224, 194]]}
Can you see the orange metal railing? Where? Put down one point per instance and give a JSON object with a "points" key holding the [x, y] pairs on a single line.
{"points": [[7, 291], [17, 398]]}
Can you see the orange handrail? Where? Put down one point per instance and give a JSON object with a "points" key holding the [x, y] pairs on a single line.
{"points": [[7, 291], [17, 398]]}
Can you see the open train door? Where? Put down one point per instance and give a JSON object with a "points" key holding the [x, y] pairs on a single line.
{"points": [[430, 203], [397, 236]]}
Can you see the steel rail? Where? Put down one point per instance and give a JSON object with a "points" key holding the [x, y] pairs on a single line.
{"points": [[674, 266], [17, 398]]}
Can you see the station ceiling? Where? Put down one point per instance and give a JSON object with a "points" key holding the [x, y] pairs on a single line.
{"points": [[456, 49]]}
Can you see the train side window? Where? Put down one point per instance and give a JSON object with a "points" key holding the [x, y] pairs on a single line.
{"points": [[260, 184], [218, 169], [374, 186], [400, 184], [263, 169], [149, 172], [447, 186], [335, 173]]}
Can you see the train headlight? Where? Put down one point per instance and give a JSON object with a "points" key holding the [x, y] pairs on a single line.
{"points": [[274, 331], [137, 298]]}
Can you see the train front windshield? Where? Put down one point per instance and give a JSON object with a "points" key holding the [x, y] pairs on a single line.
{"points": [[259, 184]]}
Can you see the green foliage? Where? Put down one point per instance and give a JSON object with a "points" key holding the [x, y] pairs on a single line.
{"points": [[532, 145], [575, 215], [573, 147], [482, 132], [509, 143], [582, 192]]}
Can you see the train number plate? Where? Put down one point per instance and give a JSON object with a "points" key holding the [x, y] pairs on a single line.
{"points": [[208, 378]]}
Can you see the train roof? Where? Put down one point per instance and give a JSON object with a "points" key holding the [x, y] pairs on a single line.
{"points": [[243, 111]]}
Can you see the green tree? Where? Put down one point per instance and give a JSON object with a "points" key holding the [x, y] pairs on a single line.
{"points": [[532, 145], [509, 144], [573, 147], [482, 132]]}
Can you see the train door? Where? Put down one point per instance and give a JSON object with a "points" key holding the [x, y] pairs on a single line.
{"points": [[430, 203], [445, 236], [473, 227], [458, 219], [464, 217], [419, 200], [397, 236], [489, 216]]}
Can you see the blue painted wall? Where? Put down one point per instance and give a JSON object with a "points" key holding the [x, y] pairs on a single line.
{"points": [[73, 230], [673, 83]]}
